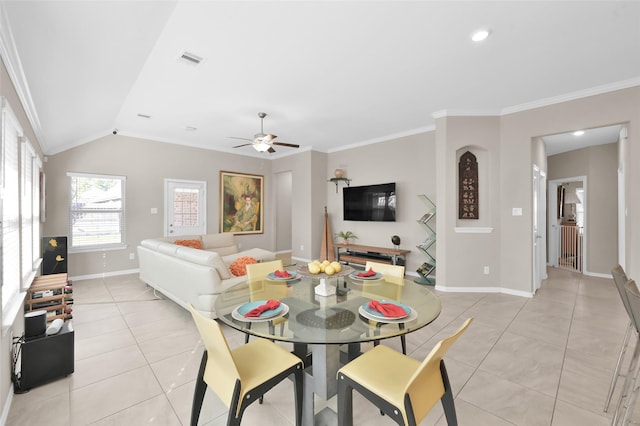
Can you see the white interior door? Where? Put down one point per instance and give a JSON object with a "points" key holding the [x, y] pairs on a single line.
{"points": [[185, 206], [539, 227]]}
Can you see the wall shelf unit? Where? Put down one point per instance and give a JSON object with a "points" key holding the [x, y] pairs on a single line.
{"points": [[342, 179], [427, 269]]}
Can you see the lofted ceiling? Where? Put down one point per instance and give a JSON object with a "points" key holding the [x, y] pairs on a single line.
{"points": [[329, 75]]}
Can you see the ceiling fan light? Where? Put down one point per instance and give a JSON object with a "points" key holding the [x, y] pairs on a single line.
{"points": [[261, 146]]}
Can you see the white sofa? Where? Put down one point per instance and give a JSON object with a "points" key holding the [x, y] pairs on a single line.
{"points": [[188, 275]]}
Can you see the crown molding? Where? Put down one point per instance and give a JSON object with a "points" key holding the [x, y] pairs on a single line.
{"points": [[386, 138], [464, 113], [598, 90], [11, 59]]}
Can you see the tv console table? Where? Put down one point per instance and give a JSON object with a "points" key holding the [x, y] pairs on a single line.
{"points": [[358, 254]]}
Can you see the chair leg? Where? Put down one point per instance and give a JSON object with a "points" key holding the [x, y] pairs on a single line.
{"points": [[298, 388], [198, 393], [404, 344], [447, 399], [616, 372], [345, 402], [628, 382]]}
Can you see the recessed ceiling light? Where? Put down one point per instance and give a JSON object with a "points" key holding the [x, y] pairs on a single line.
{"points": [[480, 35], [578, 133]]}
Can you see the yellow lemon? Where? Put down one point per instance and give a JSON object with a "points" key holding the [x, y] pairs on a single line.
{"points": [[326, 262], [314, 268], [322, 267], [336, 266], [329, 270]]}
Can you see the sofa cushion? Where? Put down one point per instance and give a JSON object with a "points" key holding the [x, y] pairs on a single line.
{"points": [[239, 266], [259, 254], [207, 258], [223, 244], [196, 244]]}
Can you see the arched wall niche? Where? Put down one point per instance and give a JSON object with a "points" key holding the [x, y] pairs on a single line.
{"points": [[484, 199]]}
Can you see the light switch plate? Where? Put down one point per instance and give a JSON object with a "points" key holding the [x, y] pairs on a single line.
{"points": [[516, 211]]}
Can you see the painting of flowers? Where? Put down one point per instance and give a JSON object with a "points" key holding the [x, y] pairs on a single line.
{"points": [[54, 255]]}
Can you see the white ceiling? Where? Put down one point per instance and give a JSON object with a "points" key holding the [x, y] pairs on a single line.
{"points": [[328, 74]]}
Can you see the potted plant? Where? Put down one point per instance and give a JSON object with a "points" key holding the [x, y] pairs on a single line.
{"points": [[346, 236]]}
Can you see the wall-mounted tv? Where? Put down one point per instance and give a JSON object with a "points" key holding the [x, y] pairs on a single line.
{"points": [[373, 203]]}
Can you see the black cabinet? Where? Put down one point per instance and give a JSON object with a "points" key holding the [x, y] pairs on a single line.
{"points": [[47, 358]]}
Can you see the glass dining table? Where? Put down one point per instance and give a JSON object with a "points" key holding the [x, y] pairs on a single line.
{"points": [[326, 318]]}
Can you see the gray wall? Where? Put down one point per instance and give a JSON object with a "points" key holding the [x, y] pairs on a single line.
{"points": [[145, 164]]}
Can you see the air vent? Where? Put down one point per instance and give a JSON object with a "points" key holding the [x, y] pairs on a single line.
{"points": [[190, 58], [144, 116]]}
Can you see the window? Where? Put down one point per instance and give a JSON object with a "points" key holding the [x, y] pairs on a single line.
{"points": [[30, 212], [11, 277], [96, 212]]}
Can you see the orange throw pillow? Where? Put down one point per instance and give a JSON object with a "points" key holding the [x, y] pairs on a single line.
{"points": [[239, 266], [196, 244]]}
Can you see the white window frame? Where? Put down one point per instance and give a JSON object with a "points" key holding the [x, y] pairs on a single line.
{"points": [[29, 212], [73, 245]]}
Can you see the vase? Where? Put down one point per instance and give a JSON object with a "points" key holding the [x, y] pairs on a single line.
{"points": [[339, 173]]}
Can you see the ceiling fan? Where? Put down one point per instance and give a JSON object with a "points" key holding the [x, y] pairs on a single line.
{"points": [[262, 141]]}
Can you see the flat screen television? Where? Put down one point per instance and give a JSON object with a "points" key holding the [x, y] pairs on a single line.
{"points": [[372, 203]]}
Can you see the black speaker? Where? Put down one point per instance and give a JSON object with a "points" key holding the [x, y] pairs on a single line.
{"points": [[47, 358], [35, 324]]}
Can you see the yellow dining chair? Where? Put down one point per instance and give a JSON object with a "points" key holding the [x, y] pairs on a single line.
{"points": [[390, 289], [260, 289], [403, 388], [385, 269], [243, 375]]}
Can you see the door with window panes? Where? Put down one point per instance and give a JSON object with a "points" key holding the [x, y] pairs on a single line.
{"points": [[185, 207]]}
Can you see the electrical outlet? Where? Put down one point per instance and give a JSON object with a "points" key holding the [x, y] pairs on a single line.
{"points": [[132, 256], [301, 247], [486, 270]]}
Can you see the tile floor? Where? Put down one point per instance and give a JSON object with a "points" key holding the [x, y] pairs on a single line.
{"points": [[541, 361]]}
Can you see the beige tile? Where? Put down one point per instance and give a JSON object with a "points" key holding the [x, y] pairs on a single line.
{"points": [[95, 345], [514, 346], [178, 370], [568, 415], [468, 414], [108, 364], [156, 411], [110, 396], [528, 362], [507, 400]]}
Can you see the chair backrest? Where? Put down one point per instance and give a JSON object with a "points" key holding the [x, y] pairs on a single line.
{"points": [[258, 271], [426, 387], [620, 278], [221, 372], [634, 302], [385, 269], [259, 288]]}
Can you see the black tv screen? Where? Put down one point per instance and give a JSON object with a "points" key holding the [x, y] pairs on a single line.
{"points": [[373, 203]]}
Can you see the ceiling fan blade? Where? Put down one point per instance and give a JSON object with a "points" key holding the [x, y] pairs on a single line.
{"points": [[290, 145], [271, 150], [244, 139], [244, 144]]}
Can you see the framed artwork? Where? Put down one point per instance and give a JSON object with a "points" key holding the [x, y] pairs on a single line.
{"points": [[241, 203], [468, 207]]}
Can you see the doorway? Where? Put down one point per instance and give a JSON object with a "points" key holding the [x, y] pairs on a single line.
{"points": [[284, 207]]}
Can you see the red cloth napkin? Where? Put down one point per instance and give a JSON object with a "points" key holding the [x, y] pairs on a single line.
{"points": [[282, 274], [256, 312], [390, 310], [368, 273]]}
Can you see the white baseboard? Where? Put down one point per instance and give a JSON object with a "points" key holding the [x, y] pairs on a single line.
{"points": [[105, 274], [7, 406], [597, 274], [484, 290]]}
